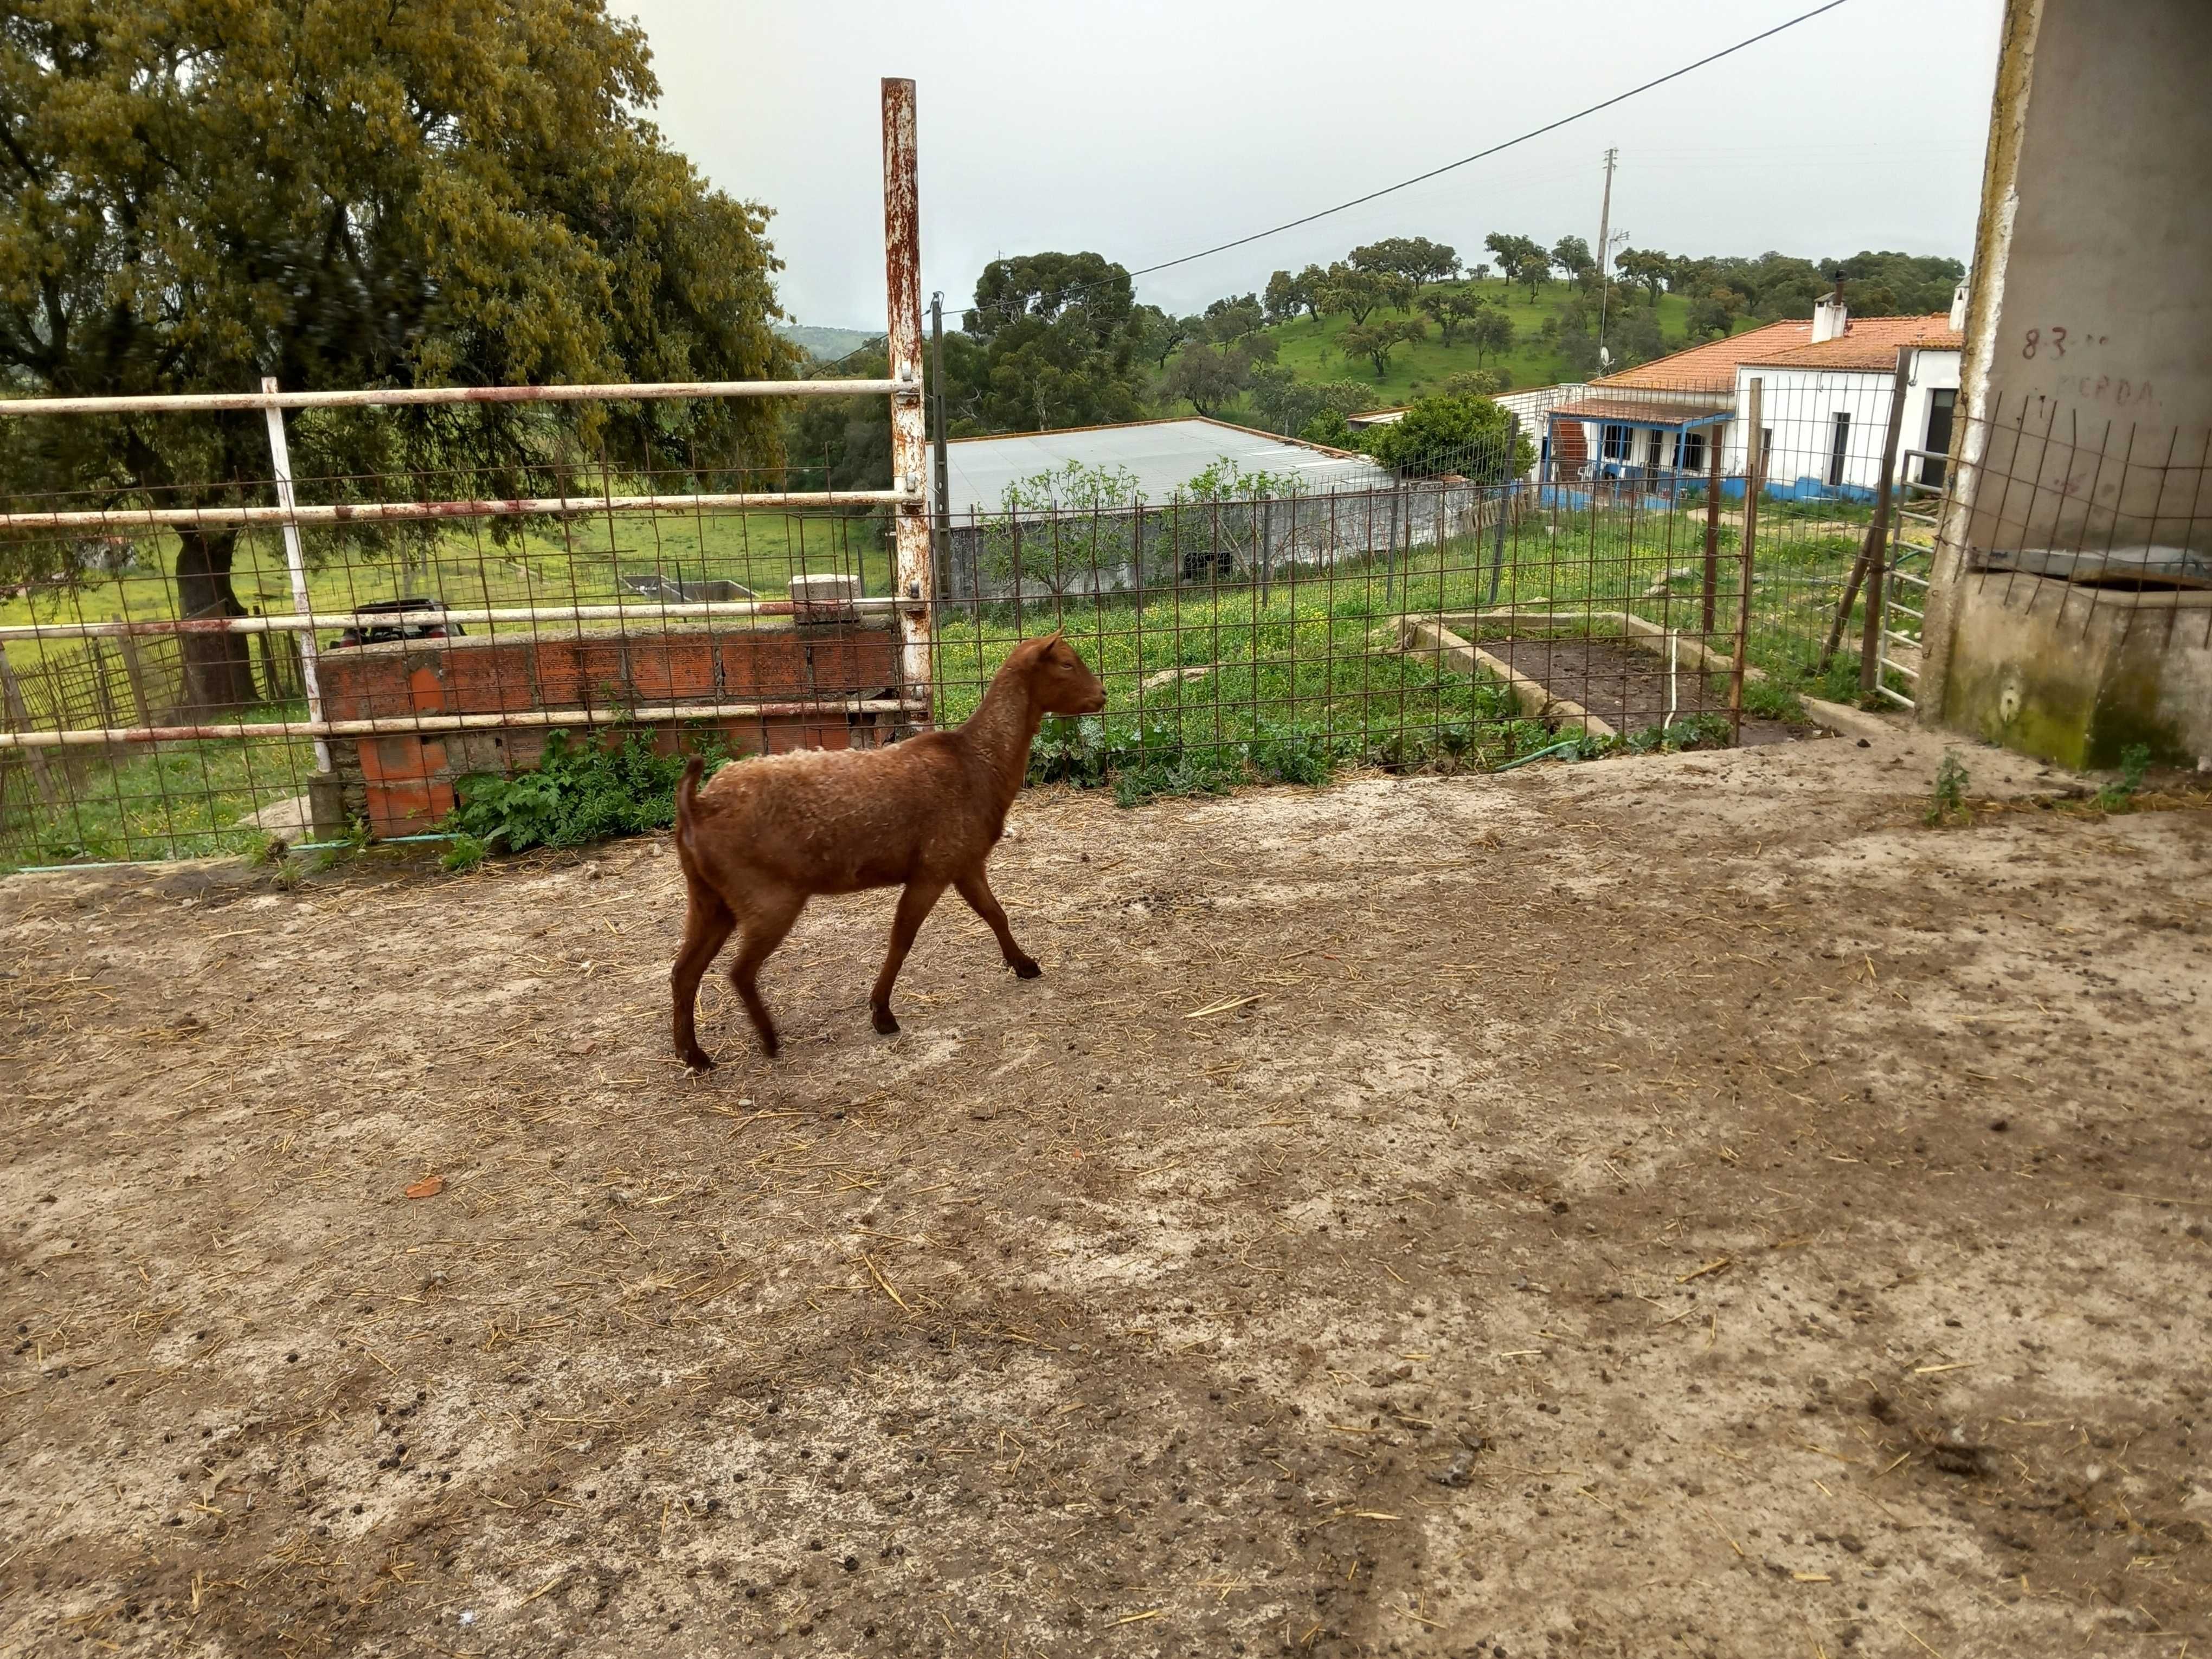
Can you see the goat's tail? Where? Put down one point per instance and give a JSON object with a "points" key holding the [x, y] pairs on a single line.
{"points": [[687, 806]]}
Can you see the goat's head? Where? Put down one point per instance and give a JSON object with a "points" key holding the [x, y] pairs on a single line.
{"points": [[1060, 682]]}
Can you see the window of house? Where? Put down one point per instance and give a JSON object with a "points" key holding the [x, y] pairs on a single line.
{"points": [[1838, 447], [1690, 452], [1616, 443]]}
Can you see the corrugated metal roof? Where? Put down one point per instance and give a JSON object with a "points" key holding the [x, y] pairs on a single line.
{"points": [[1164, 455]]}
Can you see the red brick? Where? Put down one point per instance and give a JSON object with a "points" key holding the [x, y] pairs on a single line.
{"points": [[357, 686], [401, 757], [407, 809], [491, 678], [771, 667], [578, 674], [674, 669], [855, 663]]}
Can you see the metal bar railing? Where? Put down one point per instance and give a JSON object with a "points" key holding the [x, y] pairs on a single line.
{"points": [[217, 403], [411, 725], [371, 512], [694, 611]]}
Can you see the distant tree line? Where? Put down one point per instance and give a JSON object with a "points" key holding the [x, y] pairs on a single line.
{"points": [[1059, 339]]}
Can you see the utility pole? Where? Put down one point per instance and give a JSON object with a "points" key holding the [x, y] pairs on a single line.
{"points": [[1604, 247]]}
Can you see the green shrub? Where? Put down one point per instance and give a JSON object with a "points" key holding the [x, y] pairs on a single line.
{"points": [[2135, 766], [1205, 772], [578, 793], [1291, 755], [1708, 730], [1947, 799]]}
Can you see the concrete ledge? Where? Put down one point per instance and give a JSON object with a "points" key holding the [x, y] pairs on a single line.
{"points": [[1849, 721]]}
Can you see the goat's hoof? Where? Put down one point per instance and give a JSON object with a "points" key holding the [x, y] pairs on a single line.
{"points": [[1026, 967], [699, 1061], [885, 1022], [771, 1045]]}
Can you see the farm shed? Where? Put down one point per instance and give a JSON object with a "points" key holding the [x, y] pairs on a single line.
{"points": [[1164, 456], [1340, 505]]}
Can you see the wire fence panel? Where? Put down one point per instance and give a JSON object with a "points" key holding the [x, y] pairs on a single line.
{"points": [[448, 649], [1563, 591]]}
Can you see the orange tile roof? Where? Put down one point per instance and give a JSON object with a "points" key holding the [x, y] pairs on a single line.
{"points": [[1711, 367], [1870, 342]]}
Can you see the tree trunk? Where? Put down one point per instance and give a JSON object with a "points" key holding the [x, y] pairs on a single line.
{"points": [[218, 670]]}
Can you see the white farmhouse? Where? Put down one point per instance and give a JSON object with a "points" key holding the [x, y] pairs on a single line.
{"points": [[1825, 404]]}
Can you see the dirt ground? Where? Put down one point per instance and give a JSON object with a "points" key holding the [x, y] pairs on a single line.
{"points": [[1666, 1205]]}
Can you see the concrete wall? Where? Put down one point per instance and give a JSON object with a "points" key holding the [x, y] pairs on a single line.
{"points": [[2080, 678], [2088, 366], [2101, 315]]}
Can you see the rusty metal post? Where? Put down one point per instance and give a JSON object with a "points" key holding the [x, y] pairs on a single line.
{"points": [[913, 577], [1714, 444], [1754, 480], [1509, 483]]}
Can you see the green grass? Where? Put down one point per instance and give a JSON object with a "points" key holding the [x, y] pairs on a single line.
{"points": [[1311, 349], [1309, 670], [171, 800]]}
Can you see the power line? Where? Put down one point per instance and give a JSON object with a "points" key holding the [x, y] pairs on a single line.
{"points": [[1537, 132]]}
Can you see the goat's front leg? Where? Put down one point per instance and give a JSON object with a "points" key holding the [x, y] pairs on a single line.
{"points": [[976, 889], [915, 905]]}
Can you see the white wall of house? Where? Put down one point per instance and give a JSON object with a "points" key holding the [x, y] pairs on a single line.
{"points": [[1800, 409]]}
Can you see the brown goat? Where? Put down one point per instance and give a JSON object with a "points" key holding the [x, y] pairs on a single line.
{"points": [[764, 838]]}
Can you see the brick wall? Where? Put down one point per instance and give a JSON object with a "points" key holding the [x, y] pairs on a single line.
{"points": [[404, 785]]}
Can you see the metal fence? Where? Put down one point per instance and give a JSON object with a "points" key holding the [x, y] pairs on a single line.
{"points": [[1433, 624], [396, 642]]}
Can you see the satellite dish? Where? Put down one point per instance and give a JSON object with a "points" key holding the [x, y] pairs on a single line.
{"points": [[1604, 358]]}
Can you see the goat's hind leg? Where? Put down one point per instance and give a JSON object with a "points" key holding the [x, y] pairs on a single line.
{"points": [[976, 889], [707, 925], [768, 916]]}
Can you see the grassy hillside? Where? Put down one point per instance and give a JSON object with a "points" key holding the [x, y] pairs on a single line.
{"points": [[826, 345], [1310, 347]]}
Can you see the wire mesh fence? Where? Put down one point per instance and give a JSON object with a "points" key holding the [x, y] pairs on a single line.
{"points": [[1588, 587], [91, 645]]}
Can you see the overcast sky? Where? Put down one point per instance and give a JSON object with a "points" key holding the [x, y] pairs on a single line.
{"points": [[1144, 131]]}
